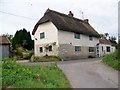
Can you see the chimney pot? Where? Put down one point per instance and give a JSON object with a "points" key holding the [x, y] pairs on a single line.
{"points": [[70, 14], [86, 20]]}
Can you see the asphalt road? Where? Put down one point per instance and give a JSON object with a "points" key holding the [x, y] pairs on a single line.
{"points": [[89, 73]]}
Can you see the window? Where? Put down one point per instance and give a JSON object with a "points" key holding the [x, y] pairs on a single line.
{"points": [[90, 38], [50, 48], [42, 35], [91, 49], [108, 49], [41, 49], [77, 48], [77, 35]]}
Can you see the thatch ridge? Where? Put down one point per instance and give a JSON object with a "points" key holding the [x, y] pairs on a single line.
{"points": [[66, 23]]}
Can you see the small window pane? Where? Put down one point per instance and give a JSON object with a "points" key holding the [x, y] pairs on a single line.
{"points": [[50, 48], [77, 48], [41, 49], [108, 49], [42, 35], [91, 49], [90, 38], [77, 35]]}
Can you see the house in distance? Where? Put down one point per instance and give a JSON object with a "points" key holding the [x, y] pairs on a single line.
{"points": [[4, 47], [65, 36], [104, 47]]}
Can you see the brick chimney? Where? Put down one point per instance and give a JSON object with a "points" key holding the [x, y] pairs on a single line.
{"points": [[86, 20], [70, 14]]}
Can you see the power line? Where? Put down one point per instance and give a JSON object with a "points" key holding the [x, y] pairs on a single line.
{"points": [[17, 15]]}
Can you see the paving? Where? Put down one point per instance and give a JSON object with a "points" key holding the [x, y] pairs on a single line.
{"points": [[26, 62], [90, 73]]}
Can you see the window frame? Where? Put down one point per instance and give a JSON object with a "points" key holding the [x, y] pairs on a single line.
{"points": [[42, 35], [77, 48], [77, 35], [41, 49], [91, 49], [108, 50], [50, 49], [91, 38]]}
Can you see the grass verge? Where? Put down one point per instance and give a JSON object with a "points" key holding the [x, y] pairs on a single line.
{"points": [[19, 76], [112, 60]]}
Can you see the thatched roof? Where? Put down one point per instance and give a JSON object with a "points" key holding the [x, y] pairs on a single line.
{"points": [[4, 40], [66, 23]]}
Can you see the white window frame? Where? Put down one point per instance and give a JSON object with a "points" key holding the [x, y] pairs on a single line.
{"points": [[77, 48]]}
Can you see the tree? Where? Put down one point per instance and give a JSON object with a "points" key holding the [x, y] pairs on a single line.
{"points": [[113, 40], [105, 35], [23, 39], [102, 35], [9, 36]]}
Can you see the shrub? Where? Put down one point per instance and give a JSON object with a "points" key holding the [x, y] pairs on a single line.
{"points": [[27, 54], [46, 59], [91, 56]]}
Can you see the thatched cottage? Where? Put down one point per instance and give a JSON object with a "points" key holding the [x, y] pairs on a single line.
{"points": [[65, 36]]}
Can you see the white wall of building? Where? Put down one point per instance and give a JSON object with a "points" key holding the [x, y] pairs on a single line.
{"points": [[51, 35], [103, 51], [65, 37]]}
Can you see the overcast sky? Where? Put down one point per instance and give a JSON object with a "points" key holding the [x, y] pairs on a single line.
{"points": [[18, 14]]}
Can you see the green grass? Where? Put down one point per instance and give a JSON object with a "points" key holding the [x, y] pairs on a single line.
{"points": [[112, 60], [19, 76]]}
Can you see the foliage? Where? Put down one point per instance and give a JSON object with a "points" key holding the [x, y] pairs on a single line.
{"points": [[8, 36], [105, 35], [46, 59], [112, 60], [23, 39], [113, 40], [19, 76], [27, 54], [118, 47], [21, 53], [90, 56]]}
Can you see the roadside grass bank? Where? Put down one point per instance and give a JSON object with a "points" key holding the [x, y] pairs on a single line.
{"points": [[112, 60], [20, 76]]}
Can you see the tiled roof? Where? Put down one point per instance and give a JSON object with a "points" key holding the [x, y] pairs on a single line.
{"points": [[67, 23], [105, 41], [4, 40]]}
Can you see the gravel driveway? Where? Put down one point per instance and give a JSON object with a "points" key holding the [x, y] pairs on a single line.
{"points": [[89, 74]]}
